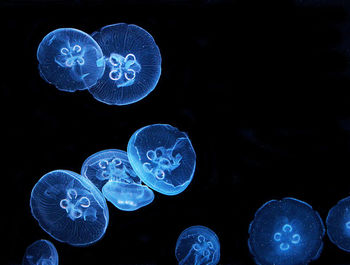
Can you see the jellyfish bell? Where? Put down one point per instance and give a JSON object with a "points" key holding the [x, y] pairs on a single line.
{"points": [[66, 205], [111, 172], [338, 224], [163, 157], [198, 245], [70, 59], [127, 197], [41, 252], [286, 232], [133, 64]]}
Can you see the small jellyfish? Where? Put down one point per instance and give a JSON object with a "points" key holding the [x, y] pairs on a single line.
{"points": [[41, 252], [70, 59], [133, 64], [197, 245], [338, 224], [286, 232], [112, 173], [69, 208], [163, 158]]}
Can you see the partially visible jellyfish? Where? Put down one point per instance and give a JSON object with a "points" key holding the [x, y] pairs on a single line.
{"points": [[41, 252], [338, 224], [163, 158], [70, 59], [286, 232], [197, 245], [133, 64], [69, 208], [112, 173]]}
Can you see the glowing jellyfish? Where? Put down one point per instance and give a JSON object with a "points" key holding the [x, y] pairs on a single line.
{"points": [[197, 245], [133, 64], [286, 232], [70, 59], [338, 224], [41, 252], [69, 208], [112, 173], [163, 158]]}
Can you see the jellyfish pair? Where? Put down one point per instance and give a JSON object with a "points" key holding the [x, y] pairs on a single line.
{"points": [[119, 65], [41, 252], [286, 232], [338, 224], [163, 157], [69, 208], [111, 172], [197, 245]]}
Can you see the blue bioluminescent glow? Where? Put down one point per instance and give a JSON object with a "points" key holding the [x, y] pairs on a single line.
{"points": [[163, 158], [112, 173], [67, 205], [41, 252], [70, 59], [197, 245], [286, 232], [338, 224], [133, 64]]}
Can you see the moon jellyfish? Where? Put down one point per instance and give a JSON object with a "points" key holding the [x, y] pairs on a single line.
{"points": [[112, 173], [41, 252], [197, 245], [133, 64], [163, 158], [338, 224], [286, 232], [69, 208], [70, 59]]}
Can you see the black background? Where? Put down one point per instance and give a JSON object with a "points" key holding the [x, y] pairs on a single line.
{"points": [[261, 88]]}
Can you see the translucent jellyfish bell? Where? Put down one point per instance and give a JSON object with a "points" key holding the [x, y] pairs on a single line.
{"points": [[163, 158], [133, 64], [338, 224], [112, 173], [70, 59], [286, 232], [67, 205], [41, 252], [197, 245]]}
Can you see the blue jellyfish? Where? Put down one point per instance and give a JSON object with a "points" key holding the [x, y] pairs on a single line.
{"points": [[70, 59], [112, 173], [197, 245], [69, 208], [163, 158], [338, 224], [286, 232], [133, 64], [41, 252]]}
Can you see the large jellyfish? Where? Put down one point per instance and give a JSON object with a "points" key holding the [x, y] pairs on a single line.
{"points": [[197, 245], [286, 232], [112, 173], [338, 224], [133, 64], [70, 59], [41, 252], [163, 158], [69, 208]]}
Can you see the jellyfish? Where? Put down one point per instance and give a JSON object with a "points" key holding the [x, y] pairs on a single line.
{"points": [[133, 64], [112, 173], [70, 59], [286, 232], [197, 245], [69, 208], [338, 224], [41, 252], [163, 158]]}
